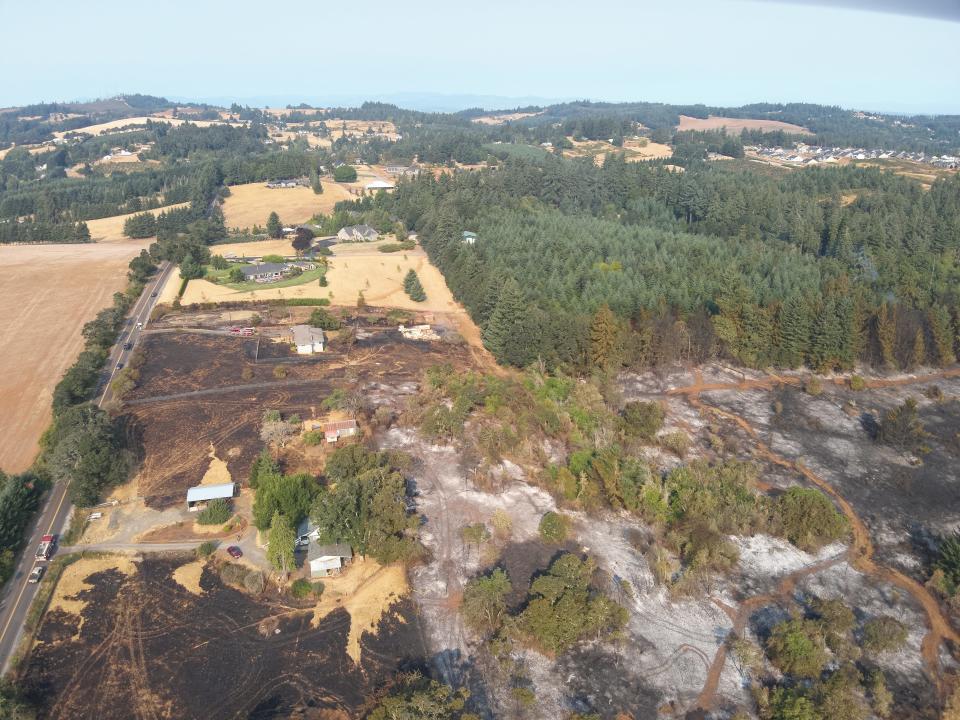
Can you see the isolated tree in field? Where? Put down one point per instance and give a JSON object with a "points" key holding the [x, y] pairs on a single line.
{"points": [[315, 183], [274, 226], [280, 544], [302, 240], [413, 288], [604, 338], [484, 601], [81, 233], [901, 427]]}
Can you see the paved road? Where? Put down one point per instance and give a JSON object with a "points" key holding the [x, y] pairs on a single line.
{"points": [[54, 516]]}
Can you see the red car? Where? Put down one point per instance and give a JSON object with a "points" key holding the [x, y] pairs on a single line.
{"points": [[234, 552]]}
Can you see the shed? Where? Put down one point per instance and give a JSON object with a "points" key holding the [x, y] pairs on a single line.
{"points": [[327, 560], [199, 496], [333, 431], [468, 237], [379, 185], [308, 339]]}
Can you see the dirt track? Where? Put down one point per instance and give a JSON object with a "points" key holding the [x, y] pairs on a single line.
{"points": [[862, 549]]}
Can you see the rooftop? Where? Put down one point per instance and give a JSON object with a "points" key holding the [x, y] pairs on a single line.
{"points": [[306, 334], [210, 492], [315, 551], [264, 268]]}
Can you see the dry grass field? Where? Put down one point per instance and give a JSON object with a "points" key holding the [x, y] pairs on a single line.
{"points": [[633, 150], [354, 268], [251, 204], [738, 125], [50, 291], [501, 118], [101, 128], [110, 229]]}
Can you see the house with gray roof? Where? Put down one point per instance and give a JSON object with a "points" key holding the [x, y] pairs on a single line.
{"points": [[327, 560], [266, 272], [357, 233]]}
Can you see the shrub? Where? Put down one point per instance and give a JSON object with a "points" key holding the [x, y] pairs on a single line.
{"points": [[301, 588], [397, 247], [206, 549], [902, 429], [797, 647], [233, 574], [641, 419], [676, 442], [553, 528], [948, 560], [813, 386], [254, 582], [279, 372], [857, 383], [312, 438], [323, 319], [808, 519], [883, 634], [216, 512], [345, 173]]}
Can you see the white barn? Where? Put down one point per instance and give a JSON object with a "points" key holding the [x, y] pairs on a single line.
{"points": [[308, 339], [199, 496]]}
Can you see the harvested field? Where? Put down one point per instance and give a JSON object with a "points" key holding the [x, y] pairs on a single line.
{"points": [[636, 150], [49, 293], [152, 648], [101, 128], [632, 150], [192, 395], [501, 118], [353, 268], [110, 229], [738, 125], [251, 204]]}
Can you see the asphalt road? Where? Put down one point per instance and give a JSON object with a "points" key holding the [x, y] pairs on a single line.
{"points": [[53, 518]]}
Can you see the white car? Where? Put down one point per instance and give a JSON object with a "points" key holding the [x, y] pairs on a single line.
{"points": [[35, 574]]}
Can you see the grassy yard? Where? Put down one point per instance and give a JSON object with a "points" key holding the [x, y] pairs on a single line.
{"points": [[220, 278]]}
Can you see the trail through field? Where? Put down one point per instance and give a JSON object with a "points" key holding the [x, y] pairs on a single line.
{"points": [[862, 549]]}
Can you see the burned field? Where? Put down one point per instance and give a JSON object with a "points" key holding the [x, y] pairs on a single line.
{"points": [[149, 648], [198, 390]]}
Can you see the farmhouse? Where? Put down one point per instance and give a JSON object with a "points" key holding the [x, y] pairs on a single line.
{"points": [[357, 233], [266, 272], [199, 496], [327, 560], [333, 431], [275, 184], [308, 339]]}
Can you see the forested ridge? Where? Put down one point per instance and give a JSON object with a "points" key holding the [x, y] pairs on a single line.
{"points": [[823, 267]]}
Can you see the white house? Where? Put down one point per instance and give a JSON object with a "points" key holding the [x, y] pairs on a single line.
{"points": [[308, 339], [379, 185], [199, 496], [327, 560], [357, 233]]}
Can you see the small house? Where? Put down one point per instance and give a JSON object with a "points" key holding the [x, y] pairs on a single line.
{"points": [[308, 339], [333, 431], [266, 272], [327, 560], [199, 496], [357, 233], [468, 238]]}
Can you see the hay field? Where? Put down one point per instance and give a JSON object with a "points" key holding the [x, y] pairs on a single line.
{"points": [[50, 291], [501, 118], [101, 128], [354, 267], [738, 125], [251, 204], [631, 150], [110, 229], [635, 150]]}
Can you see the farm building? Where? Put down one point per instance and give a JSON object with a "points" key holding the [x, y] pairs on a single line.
{"points": [[379, 185], [199, 496], [337, 429], [357, 233], [266, 272], [327, 560], [274, 184], [308, 339]]}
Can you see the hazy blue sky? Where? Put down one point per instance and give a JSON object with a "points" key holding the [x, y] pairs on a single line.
{"points": [[721, 52]]}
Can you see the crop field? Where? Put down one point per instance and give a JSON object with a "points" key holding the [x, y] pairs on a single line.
{"points": [[107, 127], [738, 125], [198, 391], [150, 647], [251, 204], [501, 118], [49, 292], [353, 268], [110, 229]]}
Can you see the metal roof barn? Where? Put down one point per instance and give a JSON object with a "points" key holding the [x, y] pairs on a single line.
{"points": [[203, 493]]}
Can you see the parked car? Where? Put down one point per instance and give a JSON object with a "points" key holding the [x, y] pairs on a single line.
{"points": [[119, 366], [234, 552], [128, 346], [36, 574], [154, 293]]}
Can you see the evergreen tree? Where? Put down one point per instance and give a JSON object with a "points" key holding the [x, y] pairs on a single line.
{"points": [[794, 331], [604, 338], [918, 357], [315, 181], [82, 233], [825, 338], [887, 335], [280, 544], [412, 286], [939, 320], [503, 333], [274, 227]]}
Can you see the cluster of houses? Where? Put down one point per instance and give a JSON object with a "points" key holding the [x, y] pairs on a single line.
{"points": [[286, 183], [802, 154]]}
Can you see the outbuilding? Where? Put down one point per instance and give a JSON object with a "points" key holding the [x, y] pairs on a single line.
{"points": [[308, 339], [199, 496], [327, 560], [333, 431], [379, 185]]}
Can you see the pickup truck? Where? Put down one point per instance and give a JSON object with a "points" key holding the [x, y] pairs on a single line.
{"points": [[35, 574], [47, 544]]}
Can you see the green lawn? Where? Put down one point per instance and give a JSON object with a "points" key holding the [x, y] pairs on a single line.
{"points": [[220, 276]]}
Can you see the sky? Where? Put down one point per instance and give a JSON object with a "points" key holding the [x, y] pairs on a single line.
{"points": [[717, 52]]}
